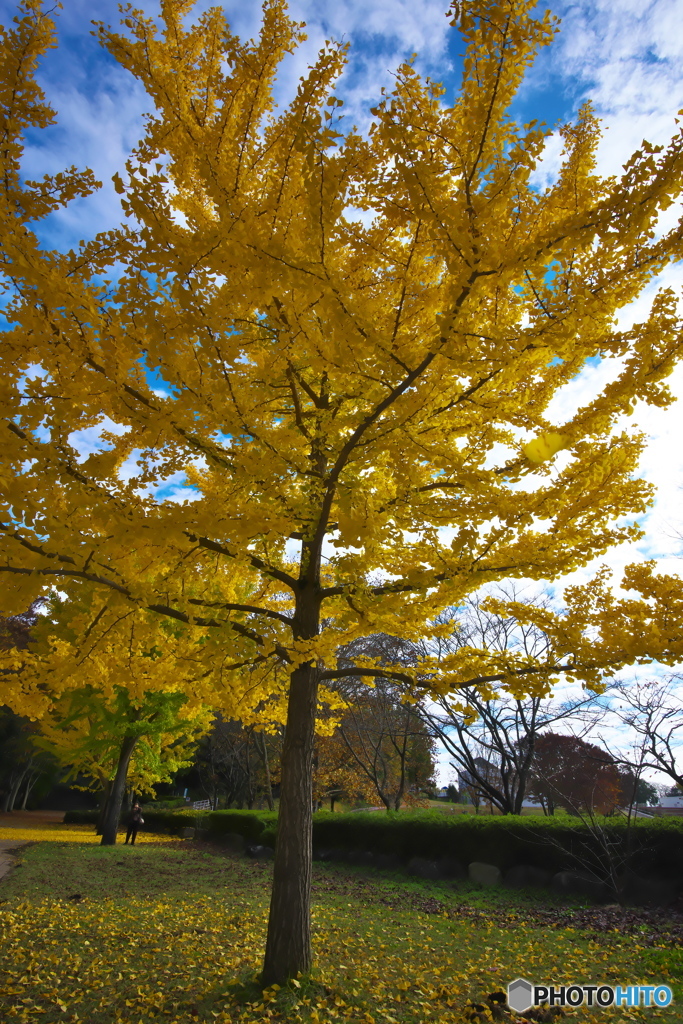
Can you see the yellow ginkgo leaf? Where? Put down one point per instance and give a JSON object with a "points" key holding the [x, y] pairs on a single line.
{"points": [[544, 447]]}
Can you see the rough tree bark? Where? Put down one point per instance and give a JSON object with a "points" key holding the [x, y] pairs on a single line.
{"points": [[288, 947], [288, 944], [113, 813]]}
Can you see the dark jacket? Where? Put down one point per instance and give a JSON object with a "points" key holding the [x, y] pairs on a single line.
{"points": [[135, 818]]}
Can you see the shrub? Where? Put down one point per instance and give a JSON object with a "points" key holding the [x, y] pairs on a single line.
{"points": [[176, 803], [155, 820], [554, 844], [250, 824]]}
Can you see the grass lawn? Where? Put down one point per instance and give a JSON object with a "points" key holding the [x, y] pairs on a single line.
{"points": [[175, 933]]}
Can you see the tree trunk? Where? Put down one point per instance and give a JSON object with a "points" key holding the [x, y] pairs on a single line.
{"points": [[519, 799], [111, 819], [27, 790], [266, 769], [30, 783], [249, 783], [15, 790], [102, 813], [288, 946]]}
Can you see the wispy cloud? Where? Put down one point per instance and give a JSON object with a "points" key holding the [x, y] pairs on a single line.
{"points": [[623, 55], [100, 106]]}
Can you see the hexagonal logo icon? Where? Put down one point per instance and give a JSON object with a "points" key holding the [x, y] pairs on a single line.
{"points": [[520, 995]]}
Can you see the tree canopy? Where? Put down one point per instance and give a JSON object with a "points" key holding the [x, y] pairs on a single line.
{"points": [[568, 771], [347, 342]]}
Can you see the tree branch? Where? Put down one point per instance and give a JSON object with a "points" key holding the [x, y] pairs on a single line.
{"points": [[379, 673]]}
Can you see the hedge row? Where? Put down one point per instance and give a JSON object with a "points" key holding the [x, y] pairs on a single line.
{"points": [[250, 824], [655, 847], [554, 844]]}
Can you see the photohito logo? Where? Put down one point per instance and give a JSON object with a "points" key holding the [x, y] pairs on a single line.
{"points": [[522, 995]]}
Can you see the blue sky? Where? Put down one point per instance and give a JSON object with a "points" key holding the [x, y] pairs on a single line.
{"points": [[625, 55]]}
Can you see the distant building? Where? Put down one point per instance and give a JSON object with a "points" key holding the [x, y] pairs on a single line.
{"points": [[671, 804], [485, 769]]}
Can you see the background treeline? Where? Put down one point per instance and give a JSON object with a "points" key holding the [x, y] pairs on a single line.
{"points": [[377, 742]]}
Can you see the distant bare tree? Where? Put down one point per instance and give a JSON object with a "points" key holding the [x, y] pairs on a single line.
{"points": [[589, 782], [385, 738], [654, 711], [490, 737], [485, 770], [234, 763]]}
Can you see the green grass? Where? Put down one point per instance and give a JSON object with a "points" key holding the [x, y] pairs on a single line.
{"points": [[122, 872], [175, 934]]}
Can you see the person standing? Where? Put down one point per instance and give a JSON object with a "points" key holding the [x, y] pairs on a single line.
{"points": [[134, 822]]}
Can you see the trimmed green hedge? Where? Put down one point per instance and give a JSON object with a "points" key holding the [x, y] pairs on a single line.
{"points": [[253, 825], [250, 824], [656, 845], [173, 804], [155, 821]]}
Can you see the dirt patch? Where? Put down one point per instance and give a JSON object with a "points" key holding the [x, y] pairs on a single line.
{"points": [[7, 859], [652, 925]]}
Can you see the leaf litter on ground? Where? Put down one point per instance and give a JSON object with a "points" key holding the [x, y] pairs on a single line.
{"points": [[175, 933]]}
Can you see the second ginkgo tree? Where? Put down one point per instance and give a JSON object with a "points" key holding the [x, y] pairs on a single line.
{"points": [[121, 743]]}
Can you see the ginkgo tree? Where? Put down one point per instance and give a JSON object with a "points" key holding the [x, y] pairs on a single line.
{"points": [[120, 697], [121, 742], [346, 341]]}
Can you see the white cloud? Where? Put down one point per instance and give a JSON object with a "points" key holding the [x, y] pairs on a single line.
{"points": [[661, 465], [100, 106], [548, 167], [89, 441], [382, 34], [625, 56]]}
